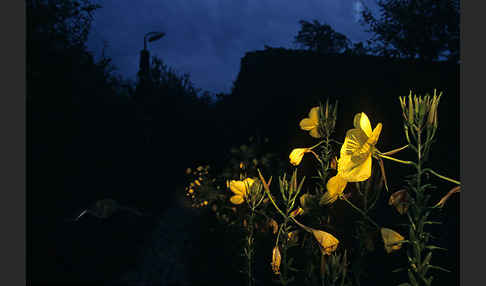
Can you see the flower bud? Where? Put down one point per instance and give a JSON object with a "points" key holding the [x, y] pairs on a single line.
{"points": [[276, 259]]}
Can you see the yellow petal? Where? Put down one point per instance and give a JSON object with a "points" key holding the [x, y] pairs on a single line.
{"points": [[353, 172], [354, 165], [241, 187], [237, 199], [315, 133], [375, 134], [390, 238], [354, 144], [363, 122], [335, 186], [312, 121], [307, 124], [237, 187], [314, 114]]}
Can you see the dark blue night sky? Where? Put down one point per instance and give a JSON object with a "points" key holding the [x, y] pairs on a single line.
{"points": [[207, 38]]}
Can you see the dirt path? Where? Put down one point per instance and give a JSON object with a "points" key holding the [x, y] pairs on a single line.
{"points": [[163, 261]]}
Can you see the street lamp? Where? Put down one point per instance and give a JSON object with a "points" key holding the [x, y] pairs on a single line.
{"points": [[151, 37], [144, 67]]}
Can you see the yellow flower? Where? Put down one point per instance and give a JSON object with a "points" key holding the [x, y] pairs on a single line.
{"points": [[197, 182], [205, 203], [391, 239], [327, 241], [354, 164], [240, 188], [297, 154], [276, 259], [191, 191], [311, 123]]}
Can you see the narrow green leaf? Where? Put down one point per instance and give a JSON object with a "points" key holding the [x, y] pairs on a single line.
{"points": [[438, 268], [433, 247]]}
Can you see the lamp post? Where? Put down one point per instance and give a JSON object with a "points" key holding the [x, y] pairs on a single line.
{"points": [[144, 88], [144, 68]]}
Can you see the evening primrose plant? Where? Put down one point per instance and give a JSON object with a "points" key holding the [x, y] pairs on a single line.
{"points": [[302, 219], [420, 123]]}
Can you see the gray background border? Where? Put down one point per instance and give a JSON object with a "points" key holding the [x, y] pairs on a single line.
{"points": [[12, 154]]}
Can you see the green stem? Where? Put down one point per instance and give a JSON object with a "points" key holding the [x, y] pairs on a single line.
{"points": [[443, 177], [274, 204], [396, 160], [317, 144], [361, 212], [250, 246], [395, 150]]}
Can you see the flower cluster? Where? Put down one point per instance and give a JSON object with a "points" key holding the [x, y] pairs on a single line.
{"points": [[200, 186]]}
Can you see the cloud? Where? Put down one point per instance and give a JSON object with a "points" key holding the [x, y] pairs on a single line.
{"points": [[207, 38]]}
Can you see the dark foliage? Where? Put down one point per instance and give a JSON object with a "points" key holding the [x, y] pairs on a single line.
{"points": [[321, 38], [423, 29]]}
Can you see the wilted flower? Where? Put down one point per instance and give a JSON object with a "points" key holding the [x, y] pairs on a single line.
{"points": [[400, 200], [333, 164], [293, 236], [296, 212], [327, 241], [450, 193], [391, 239], [273, 224], [188, 171], [276, 259], [311, 123], [240, 189]]}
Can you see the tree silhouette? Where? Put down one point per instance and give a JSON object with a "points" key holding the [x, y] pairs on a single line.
{"points": [[423, 29], [321, 38]]}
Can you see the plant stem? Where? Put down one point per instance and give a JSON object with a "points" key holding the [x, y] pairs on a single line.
{"points": [[250, 246], [396, 160], [443, 177], [361, 212]]}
